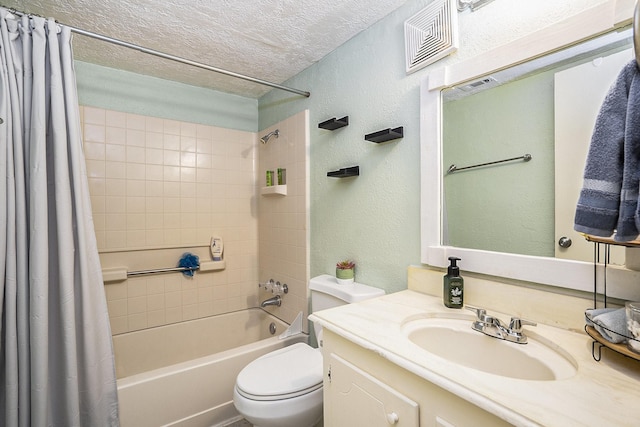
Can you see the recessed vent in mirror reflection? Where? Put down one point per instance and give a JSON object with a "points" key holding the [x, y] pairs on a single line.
{"points": [[482, 84], [546, 107]]}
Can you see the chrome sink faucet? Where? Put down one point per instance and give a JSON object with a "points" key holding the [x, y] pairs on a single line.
{"points": [[493, 327]]}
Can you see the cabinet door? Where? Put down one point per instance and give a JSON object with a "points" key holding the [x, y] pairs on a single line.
{"points": [[354, 398]]}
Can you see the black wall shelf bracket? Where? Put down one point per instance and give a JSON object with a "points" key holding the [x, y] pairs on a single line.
{"points": [[333, 124], [385, 135], [345, 172]]}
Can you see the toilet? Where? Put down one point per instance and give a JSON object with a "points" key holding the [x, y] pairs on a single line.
{"points": [[284, 388]]}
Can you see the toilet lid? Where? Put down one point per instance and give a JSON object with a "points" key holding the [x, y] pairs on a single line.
{"points": [[282, 374]]}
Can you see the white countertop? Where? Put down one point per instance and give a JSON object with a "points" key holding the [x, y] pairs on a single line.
{"points": [[605, 393]]}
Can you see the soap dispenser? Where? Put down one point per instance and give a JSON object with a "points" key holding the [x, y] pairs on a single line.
{"points": [[217, 248], [453, 290]]}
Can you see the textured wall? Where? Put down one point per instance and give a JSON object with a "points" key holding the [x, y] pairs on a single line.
{"points": [[150, 96], [375, 218]]}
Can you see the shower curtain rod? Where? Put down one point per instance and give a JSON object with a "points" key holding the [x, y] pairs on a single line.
{"points": [[175, 58]]}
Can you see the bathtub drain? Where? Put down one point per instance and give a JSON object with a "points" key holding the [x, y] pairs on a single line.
{"points": [[272, 328]]}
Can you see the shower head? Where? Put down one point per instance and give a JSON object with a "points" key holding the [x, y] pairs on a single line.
{"points": [[268, 136]]}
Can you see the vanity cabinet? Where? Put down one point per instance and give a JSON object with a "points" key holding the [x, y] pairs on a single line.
{"points": [[355, 398], [362, 388]]}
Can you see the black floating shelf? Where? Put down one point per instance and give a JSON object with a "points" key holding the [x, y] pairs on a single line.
{"points": [[345, 172], [385, 135], [333, 124]]}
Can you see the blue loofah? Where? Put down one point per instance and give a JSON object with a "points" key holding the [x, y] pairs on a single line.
{"points": [[189, 260]]}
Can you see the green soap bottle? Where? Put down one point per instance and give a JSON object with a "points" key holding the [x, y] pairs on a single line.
{"points": [[453, 291]]}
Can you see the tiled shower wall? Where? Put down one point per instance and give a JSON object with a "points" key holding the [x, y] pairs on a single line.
{"points": [[158, 183], [160, 188], [284, 220]]}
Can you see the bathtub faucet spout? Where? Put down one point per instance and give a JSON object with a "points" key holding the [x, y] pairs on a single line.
{"points": [[277, 301]]}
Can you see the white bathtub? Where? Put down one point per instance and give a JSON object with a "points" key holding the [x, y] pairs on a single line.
{"points": [[183, 374]]}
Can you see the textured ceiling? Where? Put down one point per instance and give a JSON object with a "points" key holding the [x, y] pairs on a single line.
{"points": [[271, 40]]}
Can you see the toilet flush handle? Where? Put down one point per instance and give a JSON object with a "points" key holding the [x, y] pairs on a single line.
{"points": [[393, 418]]}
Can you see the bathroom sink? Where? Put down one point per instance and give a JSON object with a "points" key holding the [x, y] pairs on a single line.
{"points": [[454, 340]]}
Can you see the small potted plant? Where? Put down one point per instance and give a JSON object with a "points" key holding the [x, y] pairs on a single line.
{"points": [[345, 272]]}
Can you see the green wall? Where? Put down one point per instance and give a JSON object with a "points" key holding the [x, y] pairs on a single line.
{"points": [[135, 93], [374, 218]]}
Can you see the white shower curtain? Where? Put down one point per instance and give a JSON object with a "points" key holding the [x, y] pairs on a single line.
{"points": [[56, 358]]}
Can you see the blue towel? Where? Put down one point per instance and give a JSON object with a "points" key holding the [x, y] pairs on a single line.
{"points": [[609, 198], [611, 323], [189, 260]]}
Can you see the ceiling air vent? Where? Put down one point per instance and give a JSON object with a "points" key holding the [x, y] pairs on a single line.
{"points": [[431, 34]]}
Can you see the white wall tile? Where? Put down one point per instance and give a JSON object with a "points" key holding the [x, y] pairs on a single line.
{"points": [[165, 183], [119, 325], [136, 171], [171, 127], [154, 156], [94, 150], [116, 170], [153, 222], [116, 118], [135, 154], [94, 115], [115, 152], [94, 133], [171, 141], [188, 144], [172, 173], [153, 237], [115, 222], [188, 129], [135, 122], [97, 186], [171, 157], [139, 187], [96, 168], [135, 221], [154, 125], [136, 138]]}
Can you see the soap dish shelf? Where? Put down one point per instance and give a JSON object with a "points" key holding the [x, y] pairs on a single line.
{"points": [[345, 172], [385, 135], [274, 190], [334, 123], [598, 340]]}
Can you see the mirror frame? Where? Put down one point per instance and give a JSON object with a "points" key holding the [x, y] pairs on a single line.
{"points": [[575, 275]]}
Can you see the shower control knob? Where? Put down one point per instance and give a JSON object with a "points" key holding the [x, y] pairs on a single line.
{"points": [[564, 242]]}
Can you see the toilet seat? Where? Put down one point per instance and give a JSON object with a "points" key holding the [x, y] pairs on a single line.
{"points": [[282, 374]]}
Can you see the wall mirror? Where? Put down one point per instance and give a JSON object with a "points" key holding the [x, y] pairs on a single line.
{"points": [[537, 96], [543, 110]]}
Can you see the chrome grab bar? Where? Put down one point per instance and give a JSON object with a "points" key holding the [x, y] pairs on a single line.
{"points": [[161, 270], [454, 168]]}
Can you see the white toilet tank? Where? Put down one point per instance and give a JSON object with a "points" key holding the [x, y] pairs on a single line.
{"points": [[327, 293]]}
